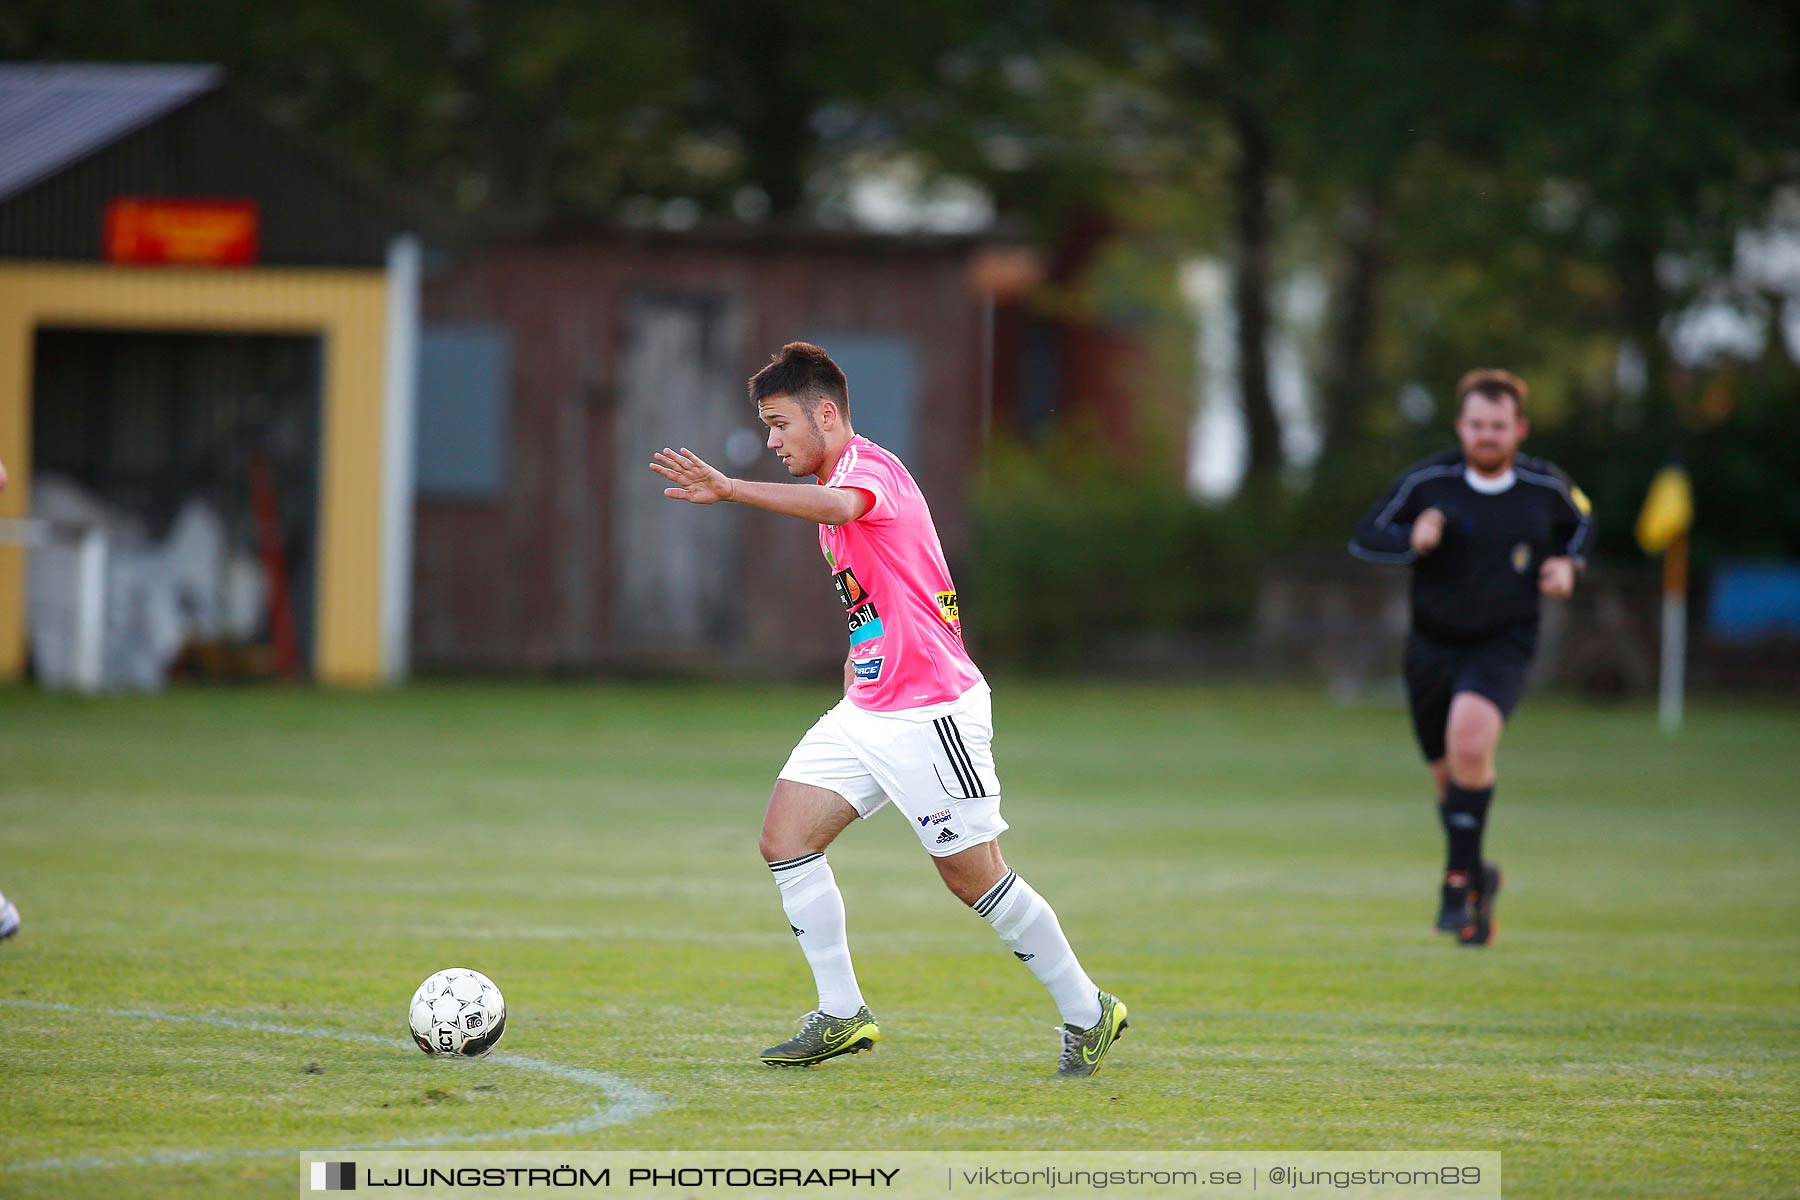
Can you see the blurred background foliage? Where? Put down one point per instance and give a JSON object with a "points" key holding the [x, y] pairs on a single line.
{"points": [[1075, 548], [1567, 189]]}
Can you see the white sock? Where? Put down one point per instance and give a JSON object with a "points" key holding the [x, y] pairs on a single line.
{"points": [[815, 912], [1028, 925]]}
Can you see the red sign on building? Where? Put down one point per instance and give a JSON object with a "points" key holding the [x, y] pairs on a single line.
{"points": [[216, 233]]}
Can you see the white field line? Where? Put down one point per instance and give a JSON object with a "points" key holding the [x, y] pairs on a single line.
{"points": [[627, 1102]]}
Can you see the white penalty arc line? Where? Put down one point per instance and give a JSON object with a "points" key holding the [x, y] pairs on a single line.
{"points": [[627, 1101]]}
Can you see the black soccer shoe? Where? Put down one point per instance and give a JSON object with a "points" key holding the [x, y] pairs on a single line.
{"points": [[1453, 910], [1481, 927]]}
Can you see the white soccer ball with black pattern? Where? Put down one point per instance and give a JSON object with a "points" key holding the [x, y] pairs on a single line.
{"points": [[457, 1011]]}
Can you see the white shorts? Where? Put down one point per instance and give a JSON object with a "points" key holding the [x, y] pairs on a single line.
{"points": [[935, 763]]}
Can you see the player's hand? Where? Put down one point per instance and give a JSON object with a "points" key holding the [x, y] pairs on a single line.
{"points": [[1427, 531], [694, 480], [1556, 578]]}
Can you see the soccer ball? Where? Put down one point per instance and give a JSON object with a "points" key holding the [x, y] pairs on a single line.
{"points": [[457, 1011]]}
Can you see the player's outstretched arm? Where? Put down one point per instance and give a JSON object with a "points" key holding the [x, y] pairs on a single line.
{"points": [[695, 480], [698, 483]]}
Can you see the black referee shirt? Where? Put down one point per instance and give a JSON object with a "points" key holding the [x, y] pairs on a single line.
{"points": [[1482, 579]]}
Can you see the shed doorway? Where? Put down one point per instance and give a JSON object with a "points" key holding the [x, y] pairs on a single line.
{"points": [[198, 453], [676, 566]]}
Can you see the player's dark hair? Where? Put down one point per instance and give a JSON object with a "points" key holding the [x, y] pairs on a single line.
{"points": [[1494, 384], [805, 372]]}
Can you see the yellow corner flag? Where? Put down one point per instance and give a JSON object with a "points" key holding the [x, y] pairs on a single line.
{"points": [[1662, 528], [1668, 510]]}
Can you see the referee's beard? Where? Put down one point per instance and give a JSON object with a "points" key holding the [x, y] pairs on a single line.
{"points": [[1492, 460]]}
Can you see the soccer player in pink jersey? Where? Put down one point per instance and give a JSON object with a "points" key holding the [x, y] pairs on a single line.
{"points": [[915, 726]]}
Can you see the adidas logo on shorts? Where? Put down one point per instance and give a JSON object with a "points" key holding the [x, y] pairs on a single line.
{"points": [[949, 835]]}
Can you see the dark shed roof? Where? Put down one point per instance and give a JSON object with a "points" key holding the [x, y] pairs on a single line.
{"points": [[75, 137], [55, 114]]}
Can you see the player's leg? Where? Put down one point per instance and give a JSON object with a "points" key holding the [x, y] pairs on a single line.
{"points": [[980, 878], [941, 774], [1490, 683], [801, 822], [1472, 736], [1459, 883], [1430, 677], [1472, 740], [802, 819], [822, 789], [1092, 1019], [970, 874]]}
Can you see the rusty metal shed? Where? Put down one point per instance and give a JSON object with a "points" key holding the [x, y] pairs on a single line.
{"points": [[542, 540]]}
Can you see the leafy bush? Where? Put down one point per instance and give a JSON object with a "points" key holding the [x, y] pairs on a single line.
{"points": [[1074, 548]]}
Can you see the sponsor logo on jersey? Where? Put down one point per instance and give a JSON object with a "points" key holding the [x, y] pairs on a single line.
{"points": [[867, 669], [946, 602], [850, 593], [1023, 957], [865, 624], [1521, 557], [936, 818], [946, 837]]}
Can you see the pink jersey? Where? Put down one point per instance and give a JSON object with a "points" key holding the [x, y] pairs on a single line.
{"points": [[906, 646]]}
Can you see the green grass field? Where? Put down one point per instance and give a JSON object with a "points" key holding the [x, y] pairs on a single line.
{"points": [[1253, 870]]}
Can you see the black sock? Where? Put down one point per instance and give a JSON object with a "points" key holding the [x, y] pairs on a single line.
{"points": [[1465, 816]]}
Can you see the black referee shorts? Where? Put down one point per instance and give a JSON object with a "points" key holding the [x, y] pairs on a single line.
{"points": [[1436, 670]]}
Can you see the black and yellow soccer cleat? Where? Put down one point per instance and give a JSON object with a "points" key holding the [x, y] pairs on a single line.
{"points": [[1481, 926], [1082, 1049], [824, 1036]]}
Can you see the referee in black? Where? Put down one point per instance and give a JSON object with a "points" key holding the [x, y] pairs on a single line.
{"points": [[1486, 530]]}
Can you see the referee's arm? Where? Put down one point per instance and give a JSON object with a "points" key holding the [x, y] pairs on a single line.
{"points": [[1574, 528], [1385, 535]]}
